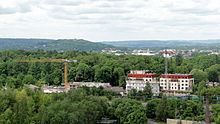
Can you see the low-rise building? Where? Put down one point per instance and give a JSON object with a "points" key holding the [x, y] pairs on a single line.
{"points": [[88, 84], [52, 89], [138, 79], [213, 84], [169, 53], [176, 84], [118, 90]]}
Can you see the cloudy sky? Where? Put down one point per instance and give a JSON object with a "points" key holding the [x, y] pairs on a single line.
{"points": [[104, 20]]}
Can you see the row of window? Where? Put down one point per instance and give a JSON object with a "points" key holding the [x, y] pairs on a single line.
{"points": [[174, 80], [173, 84], [172, 88]]}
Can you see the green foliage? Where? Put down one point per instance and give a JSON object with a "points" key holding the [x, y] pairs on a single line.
{"points": [[27, 106], [141, 95], [179, 59], [49, 44], [88, 105], [216, 113], [202, 86], [211, 91], [199, 75], [174, 108], [137, 117], [128, 111], [151, 108], [213, 73], [93, 66], [161, 110]]}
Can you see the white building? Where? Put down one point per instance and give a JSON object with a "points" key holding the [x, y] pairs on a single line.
{"points": [[144, 52], [176, 84], [52, 89], [89, 84], [137, 79], [169, 53]]}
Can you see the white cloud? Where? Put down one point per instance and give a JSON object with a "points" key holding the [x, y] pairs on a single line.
{"points": [[100, 20]]}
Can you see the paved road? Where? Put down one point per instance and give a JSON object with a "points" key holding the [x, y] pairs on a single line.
{"points": [[151, 121]]}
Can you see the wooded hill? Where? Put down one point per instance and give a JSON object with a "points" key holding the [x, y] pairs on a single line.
{"points": [[50, 44], [161, 44]]}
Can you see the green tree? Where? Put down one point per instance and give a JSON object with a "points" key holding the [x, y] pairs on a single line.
{"points": [[151, 108], [201, 86], [213, 73], [161, 110], [147, 92], [199, 75], [29, 79], [22, 108], [83, 72], [179, 59], [137, 117]]}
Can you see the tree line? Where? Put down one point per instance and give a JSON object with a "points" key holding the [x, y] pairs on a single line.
{"points": [[98, 67], [91, 105]]}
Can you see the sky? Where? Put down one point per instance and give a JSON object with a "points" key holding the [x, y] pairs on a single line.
{"points": [[110, 20]]}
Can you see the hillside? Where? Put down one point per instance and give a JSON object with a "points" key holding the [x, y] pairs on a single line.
{"points": [[49, 44], [184, 44]]}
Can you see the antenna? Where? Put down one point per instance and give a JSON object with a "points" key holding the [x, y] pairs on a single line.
{"points": [[166, 70], [166, 63]]}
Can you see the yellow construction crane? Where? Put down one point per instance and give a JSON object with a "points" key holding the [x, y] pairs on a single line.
{"points": [[65, 61]]}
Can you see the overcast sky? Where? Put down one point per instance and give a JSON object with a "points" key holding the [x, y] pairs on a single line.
{"points": [[104, 20]]}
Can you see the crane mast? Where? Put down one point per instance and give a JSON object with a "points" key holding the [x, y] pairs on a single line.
{"points": [[65, 61]]}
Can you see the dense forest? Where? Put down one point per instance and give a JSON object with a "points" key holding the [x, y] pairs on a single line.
{"points": [[98, 67], [90, 105], [50, 44]]}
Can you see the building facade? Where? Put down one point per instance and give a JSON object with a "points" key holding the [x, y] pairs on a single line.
{"points": [[88, 84], [176, 84], [137, 79]]}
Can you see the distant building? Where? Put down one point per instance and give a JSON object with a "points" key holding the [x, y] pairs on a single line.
{"points": [[113, 51], [169, 53], [176, 84], [51, 89], [119, 90], [213, 84], [137, 79], [89, 84], [144, 52]]}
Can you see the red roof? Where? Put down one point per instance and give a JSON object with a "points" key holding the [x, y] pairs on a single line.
{"points": [[177, 76], [142, 75]]}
